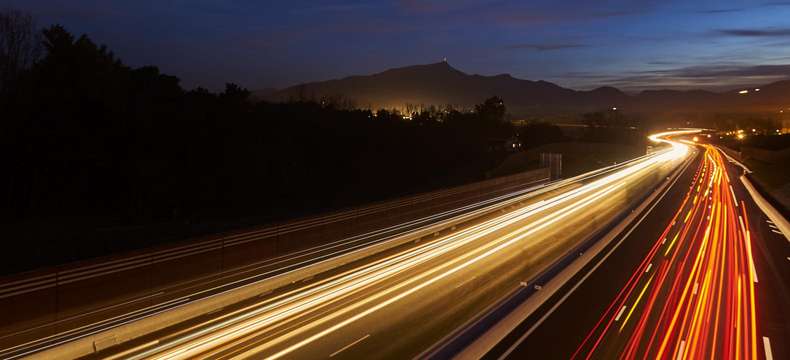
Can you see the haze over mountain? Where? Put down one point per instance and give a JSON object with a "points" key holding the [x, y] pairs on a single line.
{"points": [[441, 84]]}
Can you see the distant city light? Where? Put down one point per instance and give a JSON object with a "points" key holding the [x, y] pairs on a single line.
{"points": [[757, 89], [753, 130], [741, 136], [743, 92], [614, 108], [695, 139], [708, 135]]}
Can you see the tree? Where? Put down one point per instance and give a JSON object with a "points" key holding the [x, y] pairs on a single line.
{"points": [[19, 46], [492, 110]]}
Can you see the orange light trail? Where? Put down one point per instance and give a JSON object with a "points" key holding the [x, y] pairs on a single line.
{"points": [[701, 299]]}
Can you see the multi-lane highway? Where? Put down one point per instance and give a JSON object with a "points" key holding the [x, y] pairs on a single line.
{"points": [[693, 273], [398, 302], [401, 302], [705, 277]]}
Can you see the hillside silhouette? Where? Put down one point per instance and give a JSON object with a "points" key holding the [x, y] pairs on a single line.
{"points": [[440, 83]]}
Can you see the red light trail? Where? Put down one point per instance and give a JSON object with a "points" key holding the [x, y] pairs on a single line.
{"points": [[693, 294]]}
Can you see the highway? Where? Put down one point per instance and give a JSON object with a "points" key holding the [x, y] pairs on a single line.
{"points": [[701, 273], [398, 302], [705, 276]]}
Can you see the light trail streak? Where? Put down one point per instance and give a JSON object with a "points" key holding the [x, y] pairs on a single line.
{"points": [[707, 306], [289, 322]]}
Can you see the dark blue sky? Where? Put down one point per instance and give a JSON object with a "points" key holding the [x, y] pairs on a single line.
{"points": [[579, 44]]}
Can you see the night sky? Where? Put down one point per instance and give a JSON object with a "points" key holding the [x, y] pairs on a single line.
{"points": [[579, 44]]}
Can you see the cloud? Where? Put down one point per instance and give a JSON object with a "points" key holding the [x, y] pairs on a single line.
{"points": [[720, 11], [770, 32], [712, 76], [546, 46], [439, 6]]}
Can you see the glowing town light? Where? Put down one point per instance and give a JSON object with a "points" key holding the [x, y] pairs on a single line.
{"points": [[743, 92]]}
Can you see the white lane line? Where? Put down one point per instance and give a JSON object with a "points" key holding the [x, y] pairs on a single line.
{"points": [[767, 347], [696, 285], [777, 232], [620, 313], [733, 196], [349, 345], [767, 208], [648, 267]]}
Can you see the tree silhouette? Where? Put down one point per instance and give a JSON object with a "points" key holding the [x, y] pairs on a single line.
{"points": [[93, 143], [19, 46]]}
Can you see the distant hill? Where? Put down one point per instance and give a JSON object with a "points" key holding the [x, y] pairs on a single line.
{"points": [[441, 84]]}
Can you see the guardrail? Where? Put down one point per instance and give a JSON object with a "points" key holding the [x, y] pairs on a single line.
{"points": [[159, 320], [185, 308], [63, 292], [17, 285]]}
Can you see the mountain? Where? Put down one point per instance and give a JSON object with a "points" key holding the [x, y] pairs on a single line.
{"points": [[441, 84]]}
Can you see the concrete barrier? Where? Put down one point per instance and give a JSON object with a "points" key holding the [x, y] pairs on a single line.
{"points": [[96, 342], [54, 295]]}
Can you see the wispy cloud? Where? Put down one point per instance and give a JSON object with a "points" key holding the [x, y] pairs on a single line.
{"points": [[439, 6], [545, 46], [720, 11], [769, 32], [713, 76]]}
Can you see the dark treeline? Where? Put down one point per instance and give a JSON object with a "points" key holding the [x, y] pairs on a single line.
{"points": [[612, 126], [90, 143], [85, 136]]}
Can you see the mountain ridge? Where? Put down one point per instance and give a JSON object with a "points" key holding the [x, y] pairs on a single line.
{"points": [[441, 84]]}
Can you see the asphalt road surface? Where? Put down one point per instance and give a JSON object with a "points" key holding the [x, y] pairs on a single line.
{"points": [[400, 302], [705, 276]]}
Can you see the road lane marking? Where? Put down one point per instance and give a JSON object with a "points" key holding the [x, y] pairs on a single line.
{"points": [[696, 285], [349, 345], [776, 232], [767, 347], [733, 196], [620, 313], [648, 267], [767, 208]]}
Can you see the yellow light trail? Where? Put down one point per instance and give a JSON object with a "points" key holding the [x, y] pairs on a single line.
{"points": [[334, 303]]}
